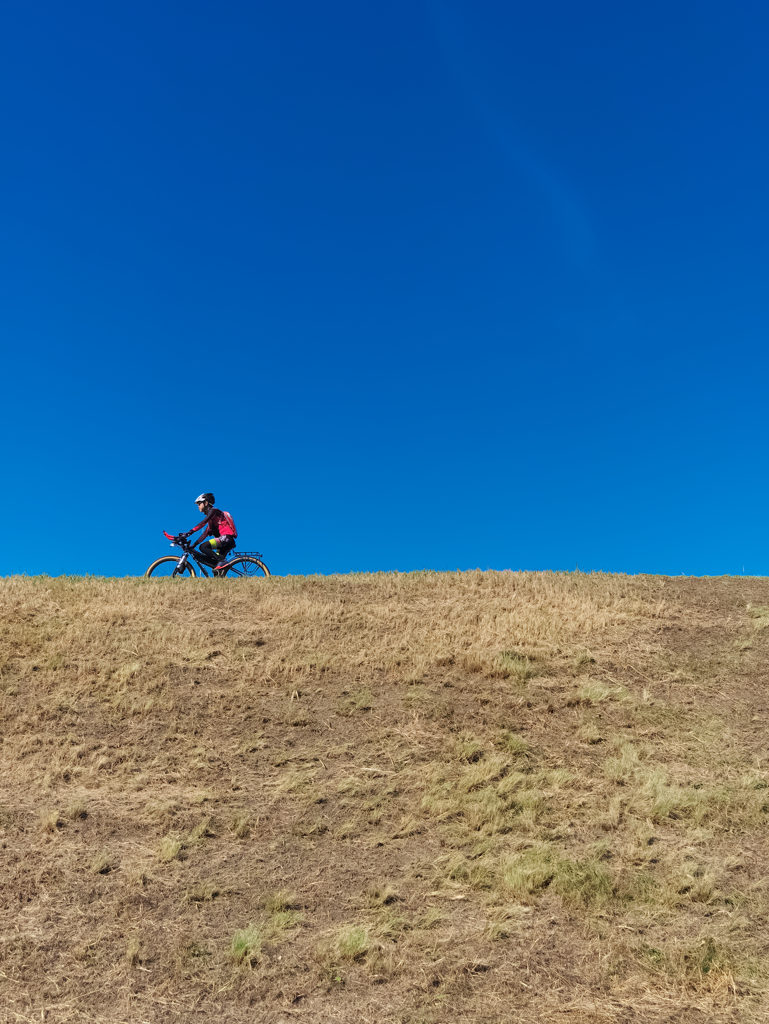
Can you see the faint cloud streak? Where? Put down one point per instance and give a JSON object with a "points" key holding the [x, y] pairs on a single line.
{"points": [[458, 36]]}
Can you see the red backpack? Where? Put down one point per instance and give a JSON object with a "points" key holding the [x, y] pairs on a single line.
{"points": [[231, 523]]}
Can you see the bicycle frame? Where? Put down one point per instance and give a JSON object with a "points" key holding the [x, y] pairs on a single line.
{"points": [[188, 551]]}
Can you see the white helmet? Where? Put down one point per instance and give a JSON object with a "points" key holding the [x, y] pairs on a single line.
{"points": [[205, 497]]}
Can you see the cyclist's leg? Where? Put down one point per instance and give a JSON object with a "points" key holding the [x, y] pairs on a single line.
{"points": [[214, 550], [207, 552], [224, 545]]}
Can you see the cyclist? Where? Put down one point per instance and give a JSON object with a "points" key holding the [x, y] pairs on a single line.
{"points": [[219, 529]]}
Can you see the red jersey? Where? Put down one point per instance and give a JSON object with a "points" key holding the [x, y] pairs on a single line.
{"points": [[218, 524]]}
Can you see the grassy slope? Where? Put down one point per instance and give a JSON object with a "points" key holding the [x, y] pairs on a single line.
{"points": [[416, 798]]}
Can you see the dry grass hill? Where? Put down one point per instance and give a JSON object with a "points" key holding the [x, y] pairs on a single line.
{"points": [[404, 799]]}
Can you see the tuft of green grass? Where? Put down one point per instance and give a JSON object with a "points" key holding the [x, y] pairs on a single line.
{"points": [[281, 901], [657, 799], [593, 692], [612, 817], [511, 664], [246, 944], [512, 743], [170, 848], [585, 883], [409, 826], [580, 883], [76, 810], [707, 964], [590, 733], [382, 896], [358, 700], [175, 845], [582, 661], [133, 951], [706, 957], [760, 615], [417, 696], [530, 871], [50, 821], [201, 831], [102, 864], [624, 764], [295, 780], [500, 665], [137, 876], [481, 773], [467, 747], [353, 943], [490, 797], [201, 892], [240, 825], [504, 921], [691, 882], [474, 873], [431, 918]]}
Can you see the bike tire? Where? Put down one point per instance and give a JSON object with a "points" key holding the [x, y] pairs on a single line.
{"points": [[165, 568], [246, 565]]}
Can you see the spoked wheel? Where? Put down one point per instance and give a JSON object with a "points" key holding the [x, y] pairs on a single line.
{"points": [[167, 566], [246, 565]]}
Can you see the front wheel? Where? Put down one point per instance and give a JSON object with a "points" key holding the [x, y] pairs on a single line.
{"points": [[168, 566], [246, 565]]}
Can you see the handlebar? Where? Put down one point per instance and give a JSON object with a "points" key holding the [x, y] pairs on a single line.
{"points": [[179, 540]]}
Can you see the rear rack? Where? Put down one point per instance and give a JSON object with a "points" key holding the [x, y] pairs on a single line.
{"points": [[238, 554]]}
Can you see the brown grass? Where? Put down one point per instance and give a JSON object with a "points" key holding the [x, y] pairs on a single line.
{"points": [[402, 797]]}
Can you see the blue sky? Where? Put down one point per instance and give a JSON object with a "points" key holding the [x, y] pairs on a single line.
{"points": [[431, 284]]}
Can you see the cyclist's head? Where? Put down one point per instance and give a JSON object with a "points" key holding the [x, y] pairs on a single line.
{"points": [[203, 500]]}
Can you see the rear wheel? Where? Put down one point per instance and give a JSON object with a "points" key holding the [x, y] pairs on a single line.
{"points": [[167, 566], [246, 565]]}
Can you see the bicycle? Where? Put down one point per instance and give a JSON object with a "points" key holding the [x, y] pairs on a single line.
{"points": [[238, 563]]}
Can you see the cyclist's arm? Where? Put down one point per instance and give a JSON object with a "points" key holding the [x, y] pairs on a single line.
{"points": [[205, 532]]}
